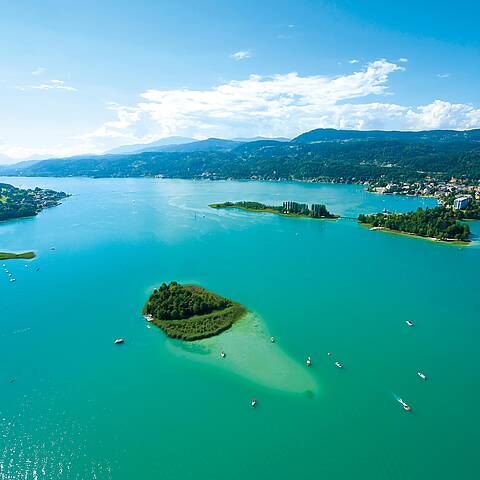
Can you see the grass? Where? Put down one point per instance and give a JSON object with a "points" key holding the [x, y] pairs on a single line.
{"points": [[12, 256], [200, 326]]}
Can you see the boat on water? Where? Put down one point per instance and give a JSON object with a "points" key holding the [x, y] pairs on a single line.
{"points": [[119, 341], [148, 317], [12, 280], [338, 365], [422, 375], [272, 339], [254, 402], [404, 405], [409, 323], [309, 362], [222, 354], [329, 354]]}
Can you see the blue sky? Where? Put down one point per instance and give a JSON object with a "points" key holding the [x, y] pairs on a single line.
{"points": [[78, 77]]}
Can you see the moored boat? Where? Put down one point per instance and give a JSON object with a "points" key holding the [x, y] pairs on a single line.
{"points": [[338, 365]]}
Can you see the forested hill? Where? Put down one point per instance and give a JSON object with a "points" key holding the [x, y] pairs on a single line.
{"points": [[325, 154]]}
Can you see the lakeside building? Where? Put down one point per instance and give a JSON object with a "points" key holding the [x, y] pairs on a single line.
{"points": [[460, 203]]}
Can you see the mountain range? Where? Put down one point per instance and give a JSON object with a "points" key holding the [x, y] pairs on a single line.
{"points": [[321, 154]]}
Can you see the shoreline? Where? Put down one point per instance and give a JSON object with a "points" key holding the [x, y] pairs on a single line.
{"points": [[217, 206], [16, 256], [413, 235]]}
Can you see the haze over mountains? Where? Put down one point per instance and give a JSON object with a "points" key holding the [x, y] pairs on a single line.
{"points": [[321, 154]]}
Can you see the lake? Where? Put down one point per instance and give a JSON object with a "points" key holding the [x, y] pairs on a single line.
{"points": [[75, 406]]}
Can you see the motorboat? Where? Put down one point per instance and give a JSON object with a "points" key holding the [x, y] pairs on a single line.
{"points": [[254, 402], [422, 375], [329, 354], [309, 362], [12, 280], [404, 405], [272, 339], [409, 323], [222, 354], [119, 341], [338, 365]]}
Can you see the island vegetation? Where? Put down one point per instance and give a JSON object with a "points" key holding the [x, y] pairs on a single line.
{"points": [[292, 209], [190, 312], [439, 223], [18, 202], [11, 256]]}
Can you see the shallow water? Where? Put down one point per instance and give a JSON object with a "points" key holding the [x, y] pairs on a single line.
{"points": [[80, 407]]}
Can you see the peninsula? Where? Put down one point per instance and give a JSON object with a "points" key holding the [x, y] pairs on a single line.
{"points": [[439, 224], [190, 312], [12, 256], [289, 209], [18, 202]]}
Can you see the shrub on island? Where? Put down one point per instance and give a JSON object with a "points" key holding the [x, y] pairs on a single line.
{"points": [[190, 312]]}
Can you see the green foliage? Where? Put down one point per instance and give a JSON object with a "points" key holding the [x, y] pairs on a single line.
{"points": [[10, 256], [287, 208], [438, 222], [18, 203], [189, 312], [392, 158]]}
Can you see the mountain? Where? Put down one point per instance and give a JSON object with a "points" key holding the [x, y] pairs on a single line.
{"points": [[4, 160], [208, 145], [324, 154], [256, 139], [333, 135], [147, 147]]}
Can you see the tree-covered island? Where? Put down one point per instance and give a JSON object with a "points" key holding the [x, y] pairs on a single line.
{"points": [[189, 312], [291, 209], [439, 223], [18, 202]]}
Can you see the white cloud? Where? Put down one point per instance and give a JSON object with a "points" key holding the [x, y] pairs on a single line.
{"points": [[51, 85], [39, 71], [277, 105], [443, 75], [403, 60], [353, 61], [241, 55]]}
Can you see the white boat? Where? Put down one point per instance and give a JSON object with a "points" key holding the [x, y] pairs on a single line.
{"points": [[338, 365], [254, 402], [422, 375], [329, 354], [404, 405], [12, 280], [118, 341], [148, 318], [409, 323], [222, 354], [272, 339], [309, 362]]}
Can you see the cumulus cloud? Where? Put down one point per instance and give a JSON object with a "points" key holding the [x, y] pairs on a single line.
{"points": [[278, 105], [241, 55], [51, 85]]}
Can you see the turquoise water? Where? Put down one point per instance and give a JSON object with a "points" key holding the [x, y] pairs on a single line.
{"points": [[153, 408]]}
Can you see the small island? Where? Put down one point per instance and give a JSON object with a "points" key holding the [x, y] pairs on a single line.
{"points": [[290, 209], [19, 203], [439, 224], [12, 256], [190, 312]]}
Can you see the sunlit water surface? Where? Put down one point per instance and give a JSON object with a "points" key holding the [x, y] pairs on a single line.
{"points": [[74, 406]]}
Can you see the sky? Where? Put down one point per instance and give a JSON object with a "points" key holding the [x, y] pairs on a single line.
{"points": [[85, 77]]}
